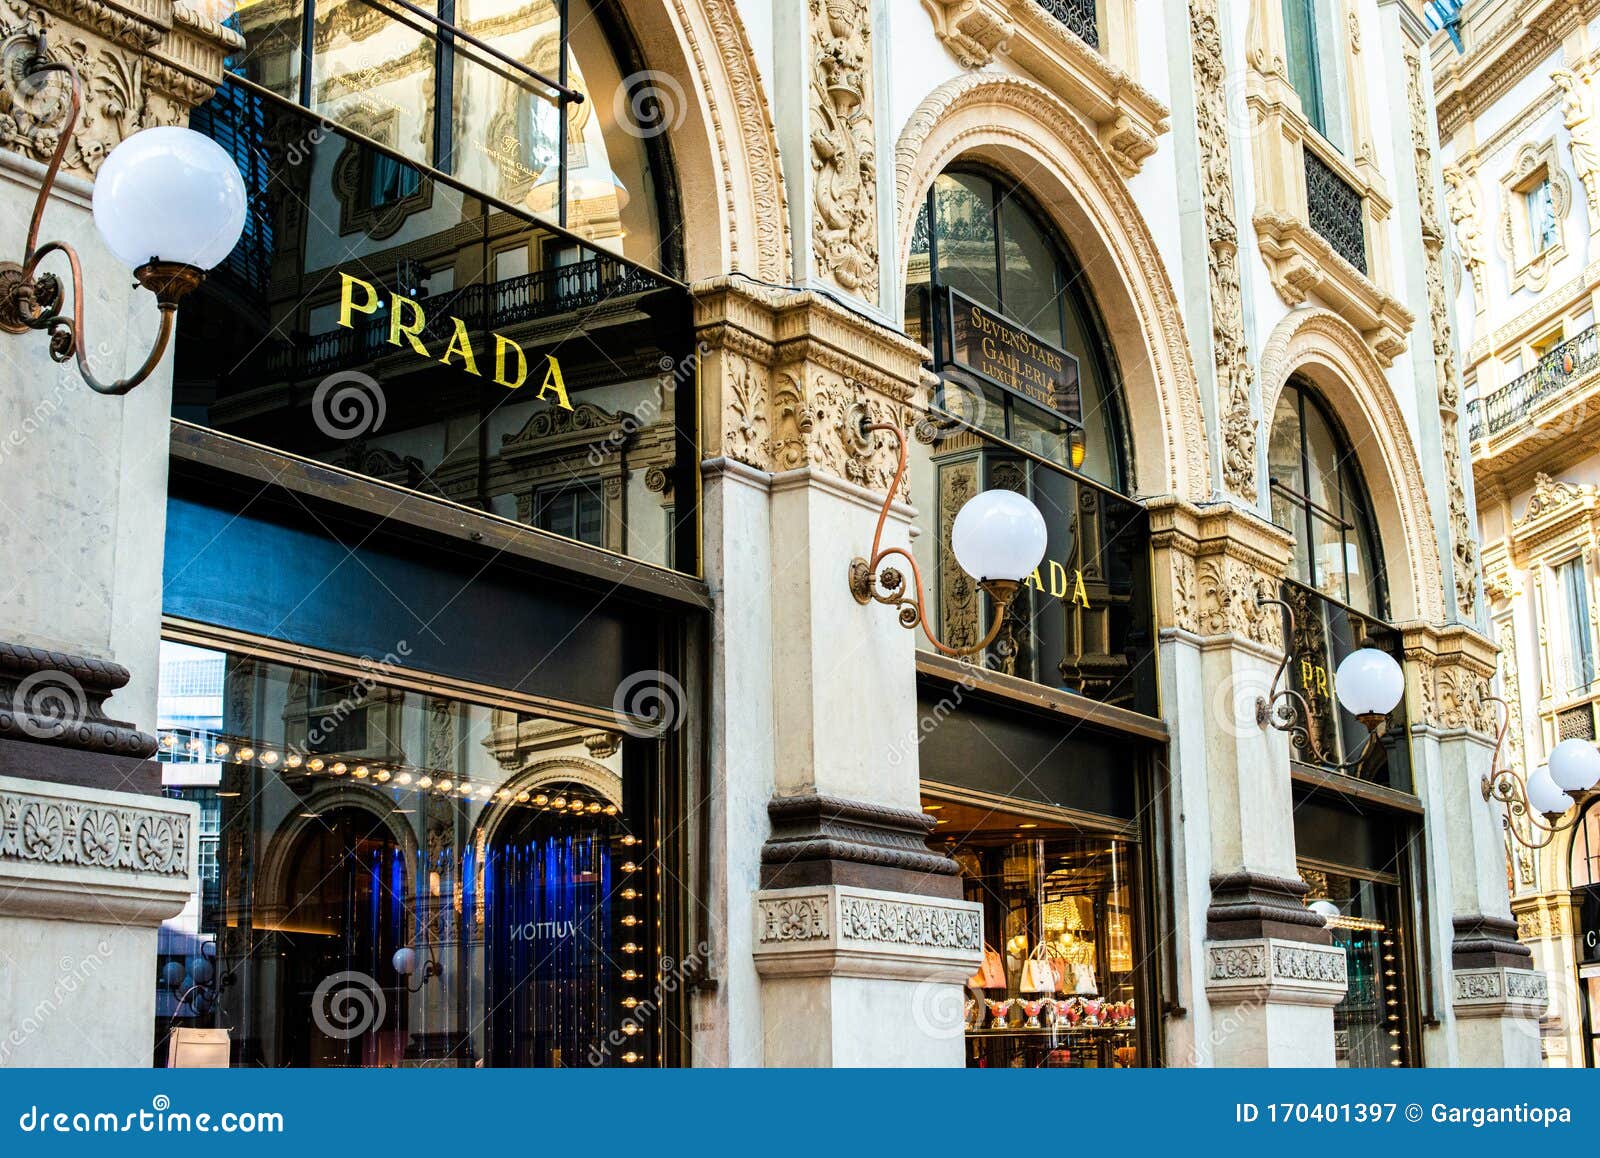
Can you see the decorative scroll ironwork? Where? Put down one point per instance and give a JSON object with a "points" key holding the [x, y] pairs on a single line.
{"points": [[1560, 368], [1080, 17], [1333, 208]]}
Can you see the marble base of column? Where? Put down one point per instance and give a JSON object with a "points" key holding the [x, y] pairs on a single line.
{"points": [[1498, 997], [854, 976]]}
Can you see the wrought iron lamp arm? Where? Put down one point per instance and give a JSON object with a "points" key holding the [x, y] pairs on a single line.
{"points": [[870, 581], [1508, 786], [30, 300], [1287, 710]]}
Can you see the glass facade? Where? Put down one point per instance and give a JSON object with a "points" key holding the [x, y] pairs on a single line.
{"points": [[391, 323], [402, 879], [1372, 1025]]}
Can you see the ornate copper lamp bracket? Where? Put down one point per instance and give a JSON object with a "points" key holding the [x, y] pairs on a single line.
{"points": [[872, 582], [1510, 789], [33, 300]]}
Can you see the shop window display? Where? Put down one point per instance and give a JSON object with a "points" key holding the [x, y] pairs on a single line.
{"points": [[404, 879], [1061, 982], [1371, 1025]]}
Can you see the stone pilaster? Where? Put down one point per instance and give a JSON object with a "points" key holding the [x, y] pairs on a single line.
{"points": [[1258, 975], [1495, 997], [90, 861], [815, 815]]}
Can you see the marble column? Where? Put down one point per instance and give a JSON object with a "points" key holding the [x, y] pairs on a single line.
{"points": [[1258, 974], [847, 942]]}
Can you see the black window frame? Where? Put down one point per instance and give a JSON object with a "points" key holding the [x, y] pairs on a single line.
{"points": [[1352, 483]]}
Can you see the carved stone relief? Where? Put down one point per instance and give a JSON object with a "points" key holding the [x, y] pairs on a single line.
{"points": [[844, 237], [1229, 350], [1583, 133]]}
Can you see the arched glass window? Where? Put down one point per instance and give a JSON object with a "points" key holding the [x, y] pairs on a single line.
{"points": [[1586, 847], [1000, 298], [1319, 495]]}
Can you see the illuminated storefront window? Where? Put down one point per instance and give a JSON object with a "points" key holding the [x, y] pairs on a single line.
{"points": [[403, 878]]}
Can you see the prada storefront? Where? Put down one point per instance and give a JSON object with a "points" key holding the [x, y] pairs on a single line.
{"points": [[1039, 756], [432, 605]]}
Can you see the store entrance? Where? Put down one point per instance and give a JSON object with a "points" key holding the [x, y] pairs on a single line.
{"points": [[557, 896]]}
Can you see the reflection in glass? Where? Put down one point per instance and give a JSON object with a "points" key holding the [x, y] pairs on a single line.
{"points": [[383, 321], [400, 879], [1063, 980], [1371, 1027], [1083, 620]]}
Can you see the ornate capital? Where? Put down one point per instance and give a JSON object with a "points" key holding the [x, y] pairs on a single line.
{"points": [[1448, 671], [142, 65], [1212, 565], [788, 378], [1519, 993]]}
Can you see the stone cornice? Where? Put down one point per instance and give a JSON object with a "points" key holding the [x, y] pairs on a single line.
{"points": [[1126, 117], [845, 931], [1273, 971], [1214, 567], [1499, 57]]}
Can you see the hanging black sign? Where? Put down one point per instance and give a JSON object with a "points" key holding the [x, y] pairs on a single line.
{"points": [[1589, 923], [992, 346]]}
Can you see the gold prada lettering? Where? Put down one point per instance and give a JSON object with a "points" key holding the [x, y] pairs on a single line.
{"points": [[407, 320], [1059, 587]]}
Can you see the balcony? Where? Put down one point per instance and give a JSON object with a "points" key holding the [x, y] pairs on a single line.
{"points": [[1080, 17], [1560, 370], [1334, 211]]}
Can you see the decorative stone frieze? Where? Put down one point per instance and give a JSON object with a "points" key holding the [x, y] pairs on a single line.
{"points": [[789, 376], [1126, 117], [1230, 353], [1501, 55], [141, 65], [75, 853], [845, 931], [1212, 566], [1276, 971], [1521, 993]]}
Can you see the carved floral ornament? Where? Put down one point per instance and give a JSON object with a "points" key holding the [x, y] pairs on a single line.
{"points": [[46, 830], [1552, 497], [844, 228], [137, 73]]}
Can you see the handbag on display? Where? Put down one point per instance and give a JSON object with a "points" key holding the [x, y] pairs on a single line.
{"points": [[992, 973], [1038, 974]]}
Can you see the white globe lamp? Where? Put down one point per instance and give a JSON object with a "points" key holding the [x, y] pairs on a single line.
{"points": [[170, 196], [1574, 766], [1544, 795], [405, 961], [1369, 684], [998, 537]]}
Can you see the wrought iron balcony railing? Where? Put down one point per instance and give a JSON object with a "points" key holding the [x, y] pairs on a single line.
{"points": [[1334, 210], [1080, 16], [482, 306], [1560, 368]]}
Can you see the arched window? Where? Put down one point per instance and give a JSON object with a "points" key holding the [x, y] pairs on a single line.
{"points": [[1319, 495], [1586, 847], [1003, 303]]}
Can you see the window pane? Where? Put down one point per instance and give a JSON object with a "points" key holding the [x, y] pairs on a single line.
{"points": [[1323, 460], [271, 55], [1364, 591], [1030, 284], [1305, 73], [376, 76], [963, 205], [1541, 216], [1283, 448], [1329, 556], [1579, 641]]}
